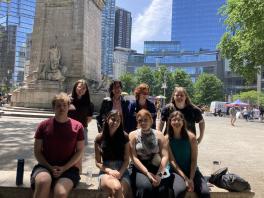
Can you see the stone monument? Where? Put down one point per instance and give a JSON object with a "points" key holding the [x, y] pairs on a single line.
{"points": [[66, 46]]}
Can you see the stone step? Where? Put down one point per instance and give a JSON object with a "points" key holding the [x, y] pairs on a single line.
{"points": [[8, 188]]}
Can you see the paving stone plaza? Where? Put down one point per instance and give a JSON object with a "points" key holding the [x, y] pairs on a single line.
{"points": [[240, 148]]}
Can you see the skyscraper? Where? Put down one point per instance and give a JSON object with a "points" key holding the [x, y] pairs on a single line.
{"points": [[108, 29], [16, 21], [197, 24], [123, 23]]}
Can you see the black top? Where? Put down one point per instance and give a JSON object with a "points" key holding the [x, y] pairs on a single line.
{"points": [[114, 148], [106, 107], [80, 111], [192, 115]]}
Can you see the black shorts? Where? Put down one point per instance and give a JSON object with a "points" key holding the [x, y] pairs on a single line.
{"points": [[72, 174]]}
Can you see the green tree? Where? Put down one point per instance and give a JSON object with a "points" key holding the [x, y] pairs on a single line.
{"points": [[252, 97], [145, 75], [128, 82], [182, 79], [243, 43], [208, 88]]}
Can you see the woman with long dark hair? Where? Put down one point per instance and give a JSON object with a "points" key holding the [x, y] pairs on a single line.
{"points": [[81, 107], [183, 152], [112, 157]]}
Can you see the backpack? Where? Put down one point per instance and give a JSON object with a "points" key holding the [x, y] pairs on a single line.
{"points": [[229, 181]]}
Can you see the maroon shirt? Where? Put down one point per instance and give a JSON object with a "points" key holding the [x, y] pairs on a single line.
{"points": [[59, 139]]}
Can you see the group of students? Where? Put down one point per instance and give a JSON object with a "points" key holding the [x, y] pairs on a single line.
{"points": [[135, 157]]}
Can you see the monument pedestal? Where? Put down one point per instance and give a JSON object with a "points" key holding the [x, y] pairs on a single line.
{"points": [[37, 95]]}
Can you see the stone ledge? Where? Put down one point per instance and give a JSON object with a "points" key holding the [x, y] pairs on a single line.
{"points": [[8, 189]]}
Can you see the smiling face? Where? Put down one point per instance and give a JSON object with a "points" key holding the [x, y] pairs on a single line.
{"points": [[117, 89], [114, 122], [80, 89], [144, 95], [61, 108], [176, 122], [179, 98], [144, 120]]}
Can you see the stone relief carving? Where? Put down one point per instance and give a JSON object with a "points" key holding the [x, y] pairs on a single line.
{"points": [[104, 83], [52, 69]]}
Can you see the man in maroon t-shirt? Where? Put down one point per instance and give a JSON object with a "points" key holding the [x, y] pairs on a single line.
{"points": [[59, 145]]}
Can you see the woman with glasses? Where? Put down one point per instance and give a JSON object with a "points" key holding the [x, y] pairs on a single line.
{"points": [[183, 151], [142, 102], [149, 156]]}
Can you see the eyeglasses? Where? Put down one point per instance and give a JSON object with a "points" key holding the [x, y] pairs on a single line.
{"points": [[142, 120]]}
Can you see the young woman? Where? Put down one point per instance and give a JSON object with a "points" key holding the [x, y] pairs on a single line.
{"points": [[141, 93], [183, 158], [112, 157], [149, 158], [115, 101], [81, 108]]}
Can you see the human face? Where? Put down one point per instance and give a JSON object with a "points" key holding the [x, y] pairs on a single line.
{"points": [[114, 122], [117, 89], [144, 95], [177, 122], [80, 89], [179, 98], [61, 108], [144, 122]]}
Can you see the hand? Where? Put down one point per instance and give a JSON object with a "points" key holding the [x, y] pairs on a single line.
{"points": [[190, 185], [155, 181], [114, 173], [199, 139], [57, 171]]}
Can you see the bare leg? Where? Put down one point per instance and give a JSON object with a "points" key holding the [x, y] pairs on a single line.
{"points": [[42, 185], [63, 188], [112, 186]]}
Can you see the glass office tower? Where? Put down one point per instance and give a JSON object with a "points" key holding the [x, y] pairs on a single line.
{"points": [[16, 22], [108, 31], [197, 24]]}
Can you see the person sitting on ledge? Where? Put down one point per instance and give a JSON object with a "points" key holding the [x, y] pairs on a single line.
{"points": [[59, 145]]}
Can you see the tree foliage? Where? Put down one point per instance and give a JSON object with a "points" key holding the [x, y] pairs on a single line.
{"points": [[182, 79], [145, 75], [128, 83], [207, 89], [252, 97], [243, 43]]}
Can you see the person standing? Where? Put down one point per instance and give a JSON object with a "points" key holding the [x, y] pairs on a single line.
{"points": [[183, 152], [115, 101], [141, 94], [233, 112], [59, 145], [112, 157], [81, 107], [180, 101]]}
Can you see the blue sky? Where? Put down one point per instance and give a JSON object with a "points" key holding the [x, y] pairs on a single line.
{"points": [[151, 20]]}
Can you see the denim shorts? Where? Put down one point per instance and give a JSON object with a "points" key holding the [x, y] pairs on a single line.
{"points": [[115, 165]]}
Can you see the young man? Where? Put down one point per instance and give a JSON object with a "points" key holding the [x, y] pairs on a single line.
{"points": [[180, 101], [59, 145]]}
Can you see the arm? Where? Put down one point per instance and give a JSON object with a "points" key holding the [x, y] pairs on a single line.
{"points": [[126, 160], [77, 155], [38, 153], [161, 126], [194, 154], [163, 145], [201, 128]]}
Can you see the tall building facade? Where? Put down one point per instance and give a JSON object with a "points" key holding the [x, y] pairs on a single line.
{"points": [[123, 25], [197, 24], [16, 21], [108, 30]]}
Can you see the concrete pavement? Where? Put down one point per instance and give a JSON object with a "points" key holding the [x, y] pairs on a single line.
{"points": [[240, 148]]}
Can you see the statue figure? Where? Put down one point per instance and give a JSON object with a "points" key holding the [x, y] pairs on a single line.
{"points": [[104, 84], [53, 70]]}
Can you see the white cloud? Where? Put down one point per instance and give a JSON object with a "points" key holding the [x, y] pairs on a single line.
{"points": [[153, 24]]}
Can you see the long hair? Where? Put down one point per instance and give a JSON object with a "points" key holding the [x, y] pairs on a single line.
{"points": [[183, 90], [183, 132], [85, 99], [119, 134], [111, 87]]}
